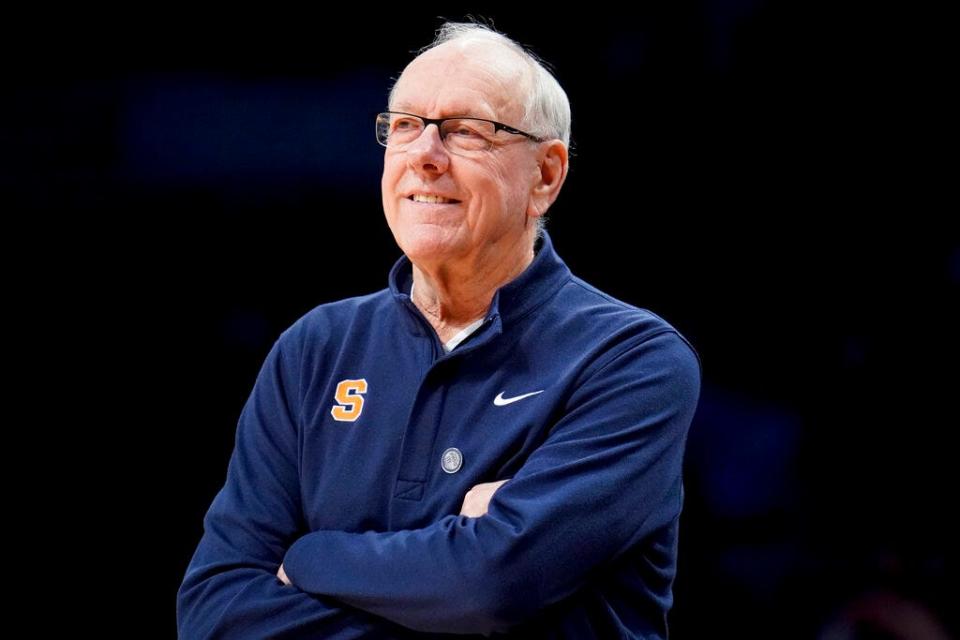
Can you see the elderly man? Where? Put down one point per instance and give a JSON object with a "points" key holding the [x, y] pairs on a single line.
{"points": [[490, 445]]}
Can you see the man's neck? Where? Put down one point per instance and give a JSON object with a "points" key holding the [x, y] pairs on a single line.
{"points": [[455, 295]]}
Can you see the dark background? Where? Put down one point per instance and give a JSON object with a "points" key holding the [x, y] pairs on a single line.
{"points": [[772, 178]]}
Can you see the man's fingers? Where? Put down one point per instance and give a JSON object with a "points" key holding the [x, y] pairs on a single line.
{"points": [[477, 500]]}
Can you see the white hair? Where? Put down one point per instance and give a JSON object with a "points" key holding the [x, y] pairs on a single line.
{"points": [[546, 108]]}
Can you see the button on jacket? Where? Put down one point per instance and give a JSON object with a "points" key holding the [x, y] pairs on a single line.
{"points": [[362, 436]]}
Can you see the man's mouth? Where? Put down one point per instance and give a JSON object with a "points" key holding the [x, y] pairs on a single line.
{"points": [[419, 197]]}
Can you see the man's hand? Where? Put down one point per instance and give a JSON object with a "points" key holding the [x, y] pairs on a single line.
{"points": [[477, 498], [282, 576]]}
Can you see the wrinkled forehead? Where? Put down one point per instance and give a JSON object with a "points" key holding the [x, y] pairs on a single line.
{"points": [[481, 79]]}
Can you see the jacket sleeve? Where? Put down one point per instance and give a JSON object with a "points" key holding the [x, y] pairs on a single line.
{"points": [[607, 475], [230, 589]]}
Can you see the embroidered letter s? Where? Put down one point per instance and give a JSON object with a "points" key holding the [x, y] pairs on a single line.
{"points": [[350, 402]]}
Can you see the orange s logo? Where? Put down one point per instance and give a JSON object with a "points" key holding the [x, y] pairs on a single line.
{"points": [[349, 399]]}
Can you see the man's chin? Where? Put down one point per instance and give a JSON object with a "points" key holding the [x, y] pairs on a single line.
{"points": [[429, 243]]}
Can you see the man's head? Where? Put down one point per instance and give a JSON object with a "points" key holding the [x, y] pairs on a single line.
{"points": [[493, 193]]}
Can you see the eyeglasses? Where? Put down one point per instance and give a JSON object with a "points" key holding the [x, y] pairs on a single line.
{"points": [[464, 136]]}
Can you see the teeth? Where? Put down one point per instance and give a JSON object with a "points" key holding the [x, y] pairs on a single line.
{"points": [[417, 197]]}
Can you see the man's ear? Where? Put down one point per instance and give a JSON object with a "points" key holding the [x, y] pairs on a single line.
{"points": [[549, 177]]}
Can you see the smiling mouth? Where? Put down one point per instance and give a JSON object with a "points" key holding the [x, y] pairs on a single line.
{"points": [[417, 197]]}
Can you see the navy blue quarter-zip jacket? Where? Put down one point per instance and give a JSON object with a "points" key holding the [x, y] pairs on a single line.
{"points": [[361, 438]]}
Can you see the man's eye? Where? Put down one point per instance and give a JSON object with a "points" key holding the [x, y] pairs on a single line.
{"points": [[464, 131], [405, 125]]}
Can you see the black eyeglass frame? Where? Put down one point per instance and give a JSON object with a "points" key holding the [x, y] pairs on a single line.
{"points": [[497, 126]]}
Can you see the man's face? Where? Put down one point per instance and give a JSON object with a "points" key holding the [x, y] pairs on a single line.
{"points": [[484, 215]]}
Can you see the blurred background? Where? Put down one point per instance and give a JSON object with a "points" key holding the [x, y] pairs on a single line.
{"points": [[772, 178]]}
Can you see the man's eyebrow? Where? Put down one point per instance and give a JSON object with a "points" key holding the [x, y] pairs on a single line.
{"points": [[446, 113]]}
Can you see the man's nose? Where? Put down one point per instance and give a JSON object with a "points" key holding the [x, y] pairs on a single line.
{"points": [[427, 153]]}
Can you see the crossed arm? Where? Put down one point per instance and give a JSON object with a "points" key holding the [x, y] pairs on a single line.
{"points": [[475, 504]]}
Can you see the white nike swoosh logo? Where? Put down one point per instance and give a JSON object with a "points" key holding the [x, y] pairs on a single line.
{"points": [[501, 401]]}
